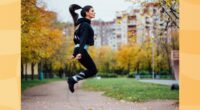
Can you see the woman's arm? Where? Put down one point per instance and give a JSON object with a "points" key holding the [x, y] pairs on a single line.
{"points": [[84, 33]]}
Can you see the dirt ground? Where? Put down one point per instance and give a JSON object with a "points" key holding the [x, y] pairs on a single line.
{"points": [[56, 96]]}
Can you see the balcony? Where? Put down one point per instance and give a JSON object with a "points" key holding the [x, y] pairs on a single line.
{"points": [[132, 23]]}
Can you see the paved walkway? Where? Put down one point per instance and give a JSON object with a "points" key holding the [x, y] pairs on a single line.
{"points": [[163, 82], [55, 96]]}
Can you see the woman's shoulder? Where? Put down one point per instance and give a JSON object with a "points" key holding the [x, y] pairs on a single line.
{"points": [[85, 24]]}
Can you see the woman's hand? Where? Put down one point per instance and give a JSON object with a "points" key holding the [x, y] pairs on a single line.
{"points": [[78, 56]]}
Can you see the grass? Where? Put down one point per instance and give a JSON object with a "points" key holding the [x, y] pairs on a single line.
{"points": [[31, 83], [130, 89]]}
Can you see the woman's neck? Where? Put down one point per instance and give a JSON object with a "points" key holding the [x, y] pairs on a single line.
{"points": [[88, 18]]}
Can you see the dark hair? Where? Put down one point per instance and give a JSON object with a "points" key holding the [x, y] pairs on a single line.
{"points": [[75, 7], [85, 9]]}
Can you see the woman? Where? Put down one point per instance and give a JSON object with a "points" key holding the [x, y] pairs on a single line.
{"points": [[83, 37]]}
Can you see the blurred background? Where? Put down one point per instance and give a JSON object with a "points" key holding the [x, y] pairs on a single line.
{"points": [[133, 38]]}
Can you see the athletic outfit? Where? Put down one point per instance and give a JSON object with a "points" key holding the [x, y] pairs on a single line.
{"points": [[83, 38]]}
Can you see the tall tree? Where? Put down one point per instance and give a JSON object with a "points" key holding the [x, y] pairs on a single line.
{"points": [[39, 38]]}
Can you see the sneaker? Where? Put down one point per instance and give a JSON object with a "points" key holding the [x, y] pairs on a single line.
{"points": [[71, 83]]}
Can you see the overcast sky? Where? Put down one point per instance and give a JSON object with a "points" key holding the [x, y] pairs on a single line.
{"points": [[105, 9]]}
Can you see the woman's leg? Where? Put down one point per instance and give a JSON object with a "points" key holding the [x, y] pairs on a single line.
{"points": [[89, 64]]}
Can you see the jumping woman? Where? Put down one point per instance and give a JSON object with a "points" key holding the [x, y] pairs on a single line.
{"points": [[83, 38]]}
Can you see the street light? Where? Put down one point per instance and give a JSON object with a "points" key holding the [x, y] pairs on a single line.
{"points": [[152, 37]]}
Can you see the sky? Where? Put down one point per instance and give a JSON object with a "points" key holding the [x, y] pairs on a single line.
{"points": [[104, 9]]}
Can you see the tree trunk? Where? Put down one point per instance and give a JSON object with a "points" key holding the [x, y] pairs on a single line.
{"points": [[137, 67], [26, 74], [70, 69], [41, 72], [39, 69], [170, 66], [32, 71], [106, 67], [168, 58], [44, 69], [50, 71], [129, 67], [22, 71], [150, 66]]}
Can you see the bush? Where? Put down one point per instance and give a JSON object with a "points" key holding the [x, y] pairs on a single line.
{"points": [[125, 72], [146, 74], [107, 75], [131, 75], [143, 72], [164, 72], [166, 76], [121, 71]]}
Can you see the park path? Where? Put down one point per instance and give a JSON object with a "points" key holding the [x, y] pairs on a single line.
{"points": [[55, 96]]}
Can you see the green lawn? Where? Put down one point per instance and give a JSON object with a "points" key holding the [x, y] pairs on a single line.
{"points": [[130, 89], [31, 83]]}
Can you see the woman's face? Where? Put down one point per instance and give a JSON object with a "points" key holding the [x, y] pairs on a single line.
{"points": [[90, 14]]}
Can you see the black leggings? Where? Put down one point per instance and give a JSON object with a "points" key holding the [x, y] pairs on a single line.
{"points": [[87, 62]]}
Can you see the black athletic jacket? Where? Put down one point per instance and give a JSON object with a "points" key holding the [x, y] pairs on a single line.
{"points": [[85, 34]]}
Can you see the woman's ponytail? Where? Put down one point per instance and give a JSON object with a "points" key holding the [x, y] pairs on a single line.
{"points": [[72, 10]]}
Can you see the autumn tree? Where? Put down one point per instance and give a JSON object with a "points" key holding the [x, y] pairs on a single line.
{"points": [[103, 58], [126, 57], [39, 38]]}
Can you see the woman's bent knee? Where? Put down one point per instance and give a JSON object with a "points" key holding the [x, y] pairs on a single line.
{"points": [[94, 72]]}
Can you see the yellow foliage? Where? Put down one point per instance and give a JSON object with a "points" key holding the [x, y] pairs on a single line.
{"points": [[126, 56], [39, 38]]}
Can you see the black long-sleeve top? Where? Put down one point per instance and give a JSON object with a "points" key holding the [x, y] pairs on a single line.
{"points": [[84, 32]]}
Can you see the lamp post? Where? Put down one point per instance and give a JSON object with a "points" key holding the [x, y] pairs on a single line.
{"points": [[153, 57], [152, 39]]}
